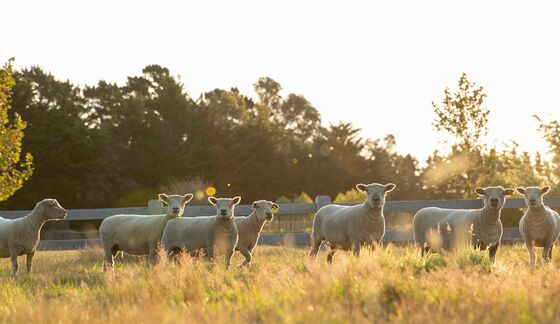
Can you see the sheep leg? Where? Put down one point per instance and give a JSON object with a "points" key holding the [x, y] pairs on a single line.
{"points": [[550, 252], [247, 254], [108, 258], [13, 257], [210, 253], [546, 252], [531, 249], [29, 260], [229, 254], [174, 254], [492, 251], [425, 248], [153, 254], [330, 255], [315, 244], [356, 248]]}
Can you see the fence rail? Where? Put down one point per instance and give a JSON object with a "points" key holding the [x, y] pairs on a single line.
{"points": [[60, 235]]}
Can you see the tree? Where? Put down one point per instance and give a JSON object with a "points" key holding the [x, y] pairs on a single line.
{"points": [[13, 170], [463, 114], [551, 133], [67, 160]]}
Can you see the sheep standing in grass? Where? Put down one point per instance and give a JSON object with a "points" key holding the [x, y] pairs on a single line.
{"points": [[21, 236], [350, 227], [540, 225], [480, 227], [212, 235], [138, 234], [250, 227]]}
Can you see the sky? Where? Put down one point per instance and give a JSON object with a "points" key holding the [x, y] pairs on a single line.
{"points": [[377, 64]]}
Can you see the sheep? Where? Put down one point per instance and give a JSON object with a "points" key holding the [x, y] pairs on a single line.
{"points": [[250, 227], [455, 225], [350, 227], [212, 234], [540, 225], [21, 236], [138, 234]]}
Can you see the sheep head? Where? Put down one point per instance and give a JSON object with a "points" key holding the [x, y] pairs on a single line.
{"points": [[51, 209], [225, 206], [533, 195], [375, 193], [175, 203], [494, 197], [265, 209]]}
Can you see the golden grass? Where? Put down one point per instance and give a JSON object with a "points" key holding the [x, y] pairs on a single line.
{"points": [[283, 285]]}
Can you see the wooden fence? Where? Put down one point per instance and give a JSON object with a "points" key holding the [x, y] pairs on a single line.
{"points": [[80, 228]]}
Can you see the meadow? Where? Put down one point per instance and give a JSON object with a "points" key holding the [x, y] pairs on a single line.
{"points": [[283, 285]]}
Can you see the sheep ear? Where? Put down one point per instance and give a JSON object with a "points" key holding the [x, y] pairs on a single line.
{"points": [[163, 198], [362, 187], [236, 200], [275, 206], [188, 197], [389, 187], [544, 190], [520, 190], [509, 191], [479, 191], [255, 205], [212, 200]]}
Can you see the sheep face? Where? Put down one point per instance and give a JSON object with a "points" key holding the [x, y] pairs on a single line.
{"points": [[51, 209], [175, 203], [494, 197], [224, 206], [264, 209], [533, 195], [375, 193]]}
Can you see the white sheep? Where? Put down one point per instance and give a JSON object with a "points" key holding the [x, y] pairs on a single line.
{"points": [[21, 236], [480, 227], [213, 235], [138, 234], [350, 227], [250, 227], [540, 225]]}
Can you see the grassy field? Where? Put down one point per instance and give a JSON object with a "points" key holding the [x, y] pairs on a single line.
{"points": [[284, 285]]}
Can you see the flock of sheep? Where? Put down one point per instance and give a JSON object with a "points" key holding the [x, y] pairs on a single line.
{"points": [[338, 227]]}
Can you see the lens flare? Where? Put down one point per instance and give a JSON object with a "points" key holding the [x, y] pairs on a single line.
{"points": [[210, 191], [199, 195]]}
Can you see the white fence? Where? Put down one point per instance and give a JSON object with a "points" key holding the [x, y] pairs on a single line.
{"points": [[68, 239]]}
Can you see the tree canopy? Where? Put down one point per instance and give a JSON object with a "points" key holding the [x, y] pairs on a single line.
{"points": [[115, 145]]}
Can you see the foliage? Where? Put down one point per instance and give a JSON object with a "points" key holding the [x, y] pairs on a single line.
{"points": [[13, 170], [470, 163], [107, 145]]}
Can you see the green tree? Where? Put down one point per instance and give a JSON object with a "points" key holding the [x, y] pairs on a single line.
{"points": [[463, 114], [13, 170], [551, 169], [67, 160]]}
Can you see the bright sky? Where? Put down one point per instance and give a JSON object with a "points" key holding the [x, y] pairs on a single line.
{"points": [[376, 64]]}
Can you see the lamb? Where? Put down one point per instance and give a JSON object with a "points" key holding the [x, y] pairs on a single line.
{"points": [[540, 225], [213, 235], [21, 236], [138, 234], [350, 227], [480, 227], [250, 227]]}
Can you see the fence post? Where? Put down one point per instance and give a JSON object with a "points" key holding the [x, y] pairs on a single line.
{"points": [[321, 201]]}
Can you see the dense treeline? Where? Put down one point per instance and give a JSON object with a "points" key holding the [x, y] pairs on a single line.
{"points": [[110, 145]]}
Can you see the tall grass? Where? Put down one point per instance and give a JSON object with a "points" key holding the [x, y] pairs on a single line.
{"points": [[283, 285]]}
